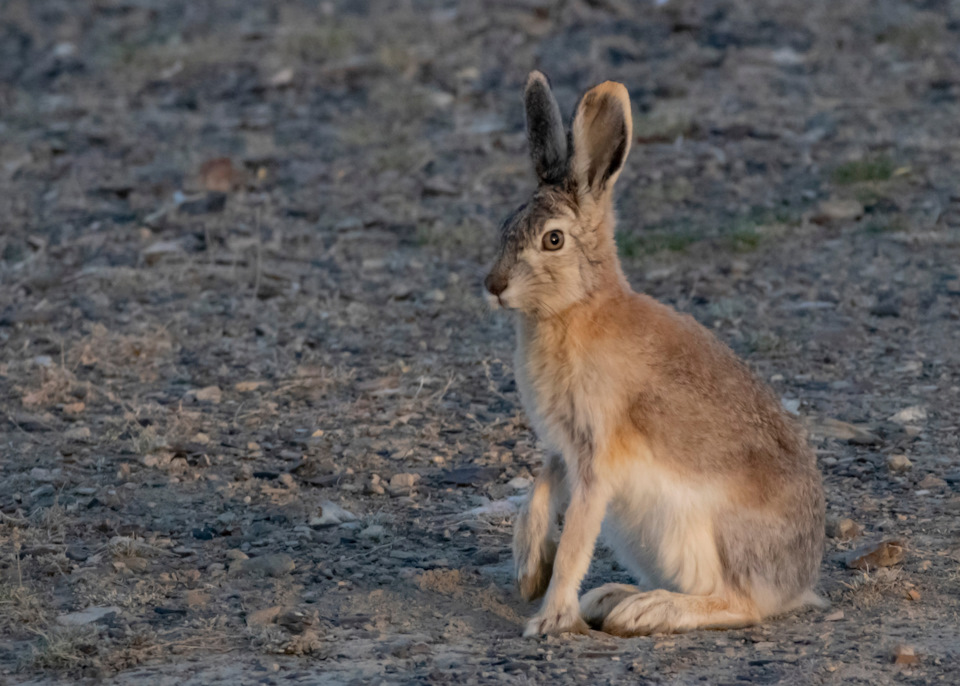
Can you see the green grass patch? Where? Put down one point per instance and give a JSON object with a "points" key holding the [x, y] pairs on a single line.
{"points": [[632, 245], [878, 168], [746, 239], [882, 225]]}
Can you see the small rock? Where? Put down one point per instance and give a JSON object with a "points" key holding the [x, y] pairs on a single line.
{"points": [[843, 529], [438, 185], [404, 481], [914, 595], [294, 621], [852, 433], [158, 251], [470, 476], [42, 492], [282, 78], [886, 308], [214, 201], [499, 508], [374, 532], [204, 533], [931, 482], [791, 405], [235, 554], [331, 514], [200, 438], [837, 210], [248, 386], [910, 415], [876, 555], [899, 463], [218, 175], [263, 617], [77, 433], [137, 564], [208, 394], [519, 483], [834, 616], [374, 486], [88, 616], [77, 554], [195, 598], [47, 475], [905, 655], [274, 565], [74, 409]]}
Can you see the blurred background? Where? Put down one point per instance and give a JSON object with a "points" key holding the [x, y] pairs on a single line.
{"points": [[241, 248]]}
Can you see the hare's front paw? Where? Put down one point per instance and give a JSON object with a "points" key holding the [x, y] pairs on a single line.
{"points": [[550, 621], [533, 555]]}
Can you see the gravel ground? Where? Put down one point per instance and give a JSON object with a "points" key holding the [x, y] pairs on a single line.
{"points": [[257, 425]]}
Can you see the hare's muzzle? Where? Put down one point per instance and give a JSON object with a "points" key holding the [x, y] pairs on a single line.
{"points": [[496, 282]]}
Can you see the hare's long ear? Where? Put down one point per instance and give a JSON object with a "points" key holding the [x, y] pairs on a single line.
{"points": [[601, 133], [548, 141]]}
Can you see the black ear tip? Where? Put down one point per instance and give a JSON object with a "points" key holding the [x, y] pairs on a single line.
{"points": [[537, 78]]}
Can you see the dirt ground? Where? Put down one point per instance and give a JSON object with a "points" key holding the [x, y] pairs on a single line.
{"points": [[257, 424]]}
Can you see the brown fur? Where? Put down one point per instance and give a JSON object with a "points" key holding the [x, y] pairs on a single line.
{"points": [[706, 483]]}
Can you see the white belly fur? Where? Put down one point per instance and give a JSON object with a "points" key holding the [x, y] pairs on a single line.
{"points": [[661, 530]]}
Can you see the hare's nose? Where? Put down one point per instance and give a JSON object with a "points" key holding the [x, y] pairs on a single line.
{"points": [[495, 283]]}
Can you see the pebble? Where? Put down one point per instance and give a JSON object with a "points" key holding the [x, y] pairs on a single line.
{"points": [[837, 210], [331, 514], [208, 394], [40, 474], [161, 249], [875, 555], [263, 617], [404, 481], [899, 463], [374, 532], [42, 491], [274, 565], [910, 415], [195, 598], [519, 483], [931, 482], [235, 554], [294, 621], [375, 485], [843, 529], [905, 655], [77, 554], [88, 616]]}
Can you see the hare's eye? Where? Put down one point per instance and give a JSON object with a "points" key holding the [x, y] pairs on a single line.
{"points": [[553, 240]]}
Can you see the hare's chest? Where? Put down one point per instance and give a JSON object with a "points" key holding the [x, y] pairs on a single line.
{"points": [[560, 403]]}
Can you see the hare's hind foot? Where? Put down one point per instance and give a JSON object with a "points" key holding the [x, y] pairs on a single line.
{"points": [[595, 605], [661, 611]]}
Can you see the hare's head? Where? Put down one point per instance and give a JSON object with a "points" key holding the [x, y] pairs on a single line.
{"points": [[558, 248]]}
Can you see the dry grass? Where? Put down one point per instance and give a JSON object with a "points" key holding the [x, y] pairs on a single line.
{"points": [[871, 588], [61, 648], [20, 609]]}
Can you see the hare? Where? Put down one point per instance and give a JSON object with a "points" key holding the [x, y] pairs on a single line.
{"points": [[703, 486]]}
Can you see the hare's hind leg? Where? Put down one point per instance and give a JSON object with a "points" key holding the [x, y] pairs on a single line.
{"points": [[535, 532], [595, 605], [666, 612]]}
